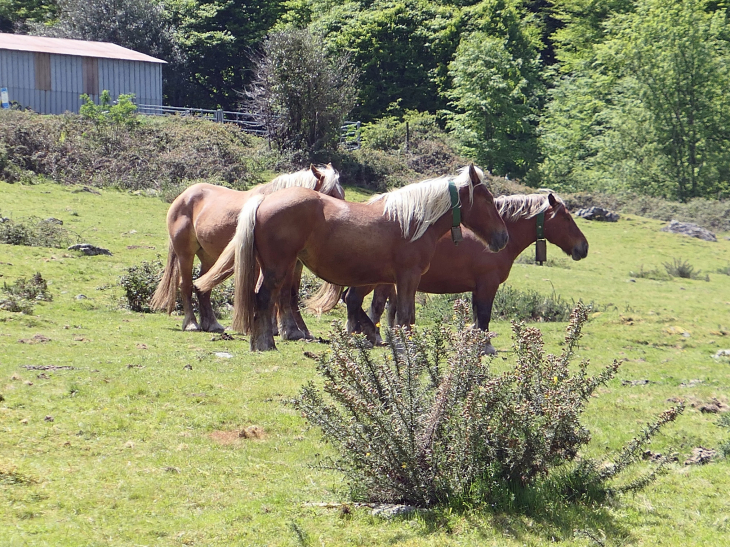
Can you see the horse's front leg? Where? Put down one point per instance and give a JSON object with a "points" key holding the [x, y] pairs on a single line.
{"points": [[288, 326], [381, 295], [482, 301], [406, 286]]}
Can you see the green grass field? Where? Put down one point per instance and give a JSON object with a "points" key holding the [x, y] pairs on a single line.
{"points": [[137, 443]]}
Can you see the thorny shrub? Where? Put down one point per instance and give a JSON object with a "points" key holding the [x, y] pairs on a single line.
{"points": [[429, 422], [22, 295], [140, 283], [681, 268]]}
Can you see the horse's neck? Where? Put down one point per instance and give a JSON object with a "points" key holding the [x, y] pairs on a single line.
{"points": [[522, 233]]}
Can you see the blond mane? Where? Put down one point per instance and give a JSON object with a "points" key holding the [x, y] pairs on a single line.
{"points": [[419, 205], [523, 205], [306, 179]]}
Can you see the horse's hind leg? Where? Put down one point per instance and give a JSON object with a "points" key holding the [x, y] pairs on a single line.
{"points": [[208, 321], [294, 299], [262, 333], [186, 290], [357, 320], [288, 327]]}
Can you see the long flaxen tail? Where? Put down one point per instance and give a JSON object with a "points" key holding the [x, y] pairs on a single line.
{"points": [[325, 299], [239, 258], [166, 294]]}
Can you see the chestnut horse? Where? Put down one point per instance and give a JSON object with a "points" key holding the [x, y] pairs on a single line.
{"points": [[389, 239], [471, 268], [202, 220]]}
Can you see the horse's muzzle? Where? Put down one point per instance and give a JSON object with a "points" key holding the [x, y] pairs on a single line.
{"points": [[580, 250], [499, 241]]}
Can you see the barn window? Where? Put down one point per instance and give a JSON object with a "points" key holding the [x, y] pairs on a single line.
{"points": [[43, 71], [90, 74]]}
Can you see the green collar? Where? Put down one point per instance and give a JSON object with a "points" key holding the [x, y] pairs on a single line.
{"points": [[455, 207], [540, 225]]}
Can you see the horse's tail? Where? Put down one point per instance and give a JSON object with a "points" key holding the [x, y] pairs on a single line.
{"points": [[325, 299], [239, 258], [165, 296]]}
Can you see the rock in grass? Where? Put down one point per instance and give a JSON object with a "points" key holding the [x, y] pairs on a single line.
{"points": [[701, 456], [689, 229], [597, 213], [89, 250]]}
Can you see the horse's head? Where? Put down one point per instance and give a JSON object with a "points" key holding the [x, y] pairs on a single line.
{"points": [[328, 181], [478, 212], [561, 230]]}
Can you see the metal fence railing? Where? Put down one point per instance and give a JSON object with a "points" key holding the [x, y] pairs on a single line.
{"points": [[248, 122]]}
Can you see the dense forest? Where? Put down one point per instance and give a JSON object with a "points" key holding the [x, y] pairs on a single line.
{"points": [[611, 96]]}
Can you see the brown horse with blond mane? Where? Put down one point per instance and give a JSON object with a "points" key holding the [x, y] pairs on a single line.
{"points": [[202, 220], [389, 239], [471, 268]]}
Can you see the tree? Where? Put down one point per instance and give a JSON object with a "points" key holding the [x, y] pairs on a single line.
{"points": [[495, 101], [301, 91], [648, 109]]}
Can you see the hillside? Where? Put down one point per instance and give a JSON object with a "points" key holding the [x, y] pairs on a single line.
{"points": [[118, 428]]}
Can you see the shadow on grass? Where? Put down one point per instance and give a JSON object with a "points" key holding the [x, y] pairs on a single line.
{"points": [[549, 522]]}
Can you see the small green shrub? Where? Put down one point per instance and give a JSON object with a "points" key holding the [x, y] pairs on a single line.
{"points": [[725, 270], [655, 274], [22, 295], [35, 232], [682, 268], [429, 422]]}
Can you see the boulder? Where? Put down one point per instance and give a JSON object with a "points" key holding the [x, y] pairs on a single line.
{"points": [[689, 229], [597, 213]]}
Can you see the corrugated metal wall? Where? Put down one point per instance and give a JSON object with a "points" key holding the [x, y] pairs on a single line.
{"points": [[17, 73]]}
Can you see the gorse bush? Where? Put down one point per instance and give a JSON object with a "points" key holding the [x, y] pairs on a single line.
{"points": [[22, 295], [35, 232], [429, 422], [140, 283]]}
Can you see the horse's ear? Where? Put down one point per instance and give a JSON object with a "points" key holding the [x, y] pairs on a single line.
{"points": [[552, 201], [317, 175], [473, 175]]}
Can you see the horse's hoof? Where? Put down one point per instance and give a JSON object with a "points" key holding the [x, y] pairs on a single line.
{"points": [[293, 335], [489, 350], [192, 327], [216, 327], [263, 345]]}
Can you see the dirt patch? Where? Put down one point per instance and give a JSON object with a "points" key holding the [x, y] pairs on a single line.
{"points": [[701, 456], [227, 438], [48, 367], [37, 339]]}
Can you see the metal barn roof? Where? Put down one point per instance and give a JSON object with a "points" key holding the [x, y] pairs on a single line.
{"points": [[63, 46]]}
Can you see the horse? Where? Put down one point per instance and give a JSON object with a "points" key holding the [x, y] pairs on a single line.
{"points": [[471, 268], [202, 220], [389, 239]]}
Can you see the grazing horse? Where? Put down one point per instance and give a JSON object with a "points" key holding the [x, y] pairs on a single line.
{"points": [[389, 239], [471, 268], [202, 220]]}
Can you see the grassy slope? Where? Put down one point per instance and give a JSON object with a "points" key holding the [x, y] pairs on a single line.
{"points": [[142, 451]]}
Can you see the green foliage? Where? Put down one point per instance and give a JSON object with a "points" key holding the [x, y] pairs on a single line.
{"points": [[160, 152], [140, 283], [655, 274], [35, 232], [429, 422], [646, 109], [302, 92], [121, 113], [682, 268], [22, 295], [724, 270], [495, 100]]}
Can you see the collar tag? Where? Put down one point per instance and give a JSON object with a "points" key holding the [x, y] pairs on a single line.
{"points": [[540, 244]]}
